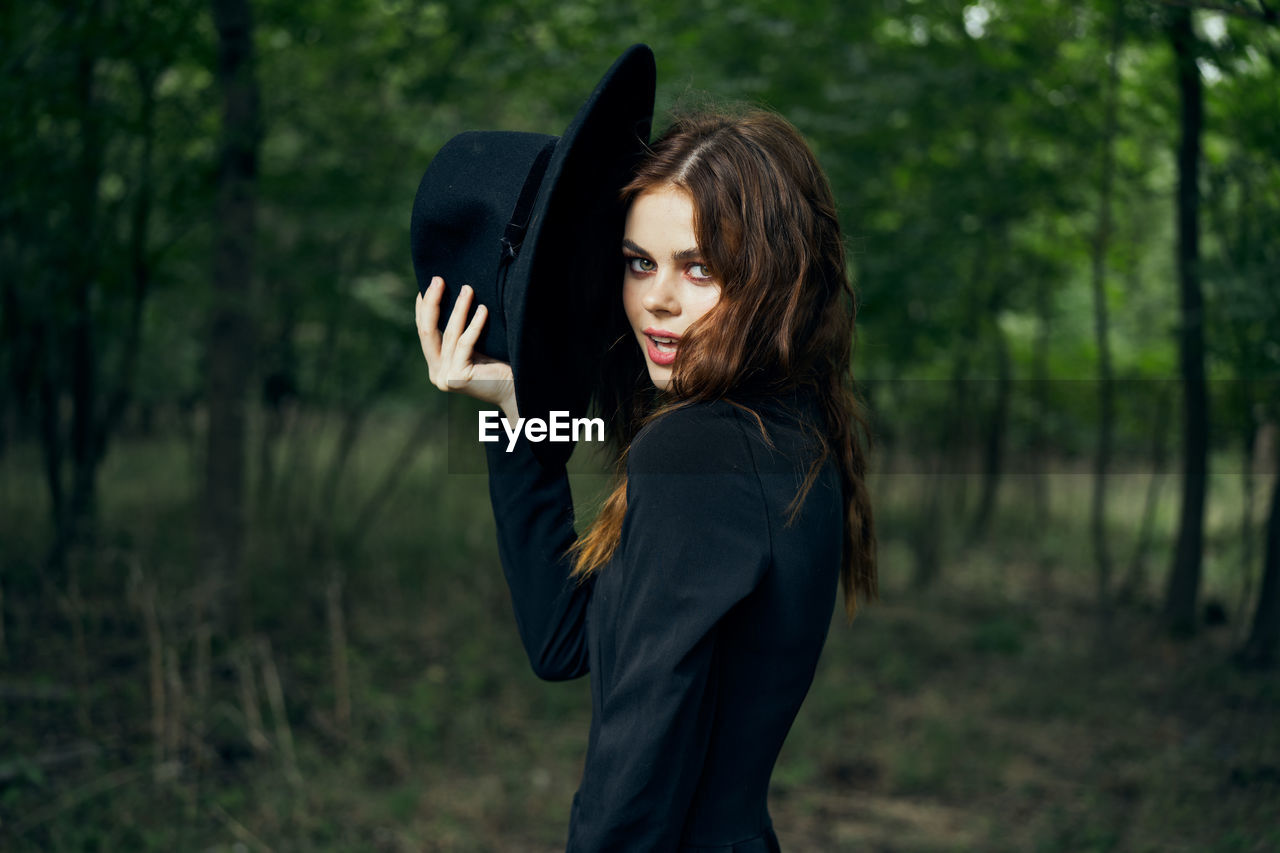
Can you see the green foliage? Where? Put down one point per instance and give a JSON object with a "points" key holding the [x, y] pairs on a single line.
{"points": [[961, 141]]}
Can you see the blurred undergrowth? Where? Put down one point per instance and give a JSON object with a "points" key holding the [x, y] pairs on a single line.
{"points": [[384, 703]]}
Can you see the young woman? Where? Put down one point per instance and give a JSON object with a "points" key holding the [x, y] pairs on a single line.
{"points": [[699, 598]]}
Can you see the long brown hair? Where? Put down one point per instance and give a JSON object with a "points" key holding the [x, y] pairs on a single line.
{"points": [[765, 221]]}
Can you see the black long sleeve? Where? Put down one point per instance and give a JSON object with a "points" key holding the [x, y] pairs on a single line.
{"points": [[533, 510]]}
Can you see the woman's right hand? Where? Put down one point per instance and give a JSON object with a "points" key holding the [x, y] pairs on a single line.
{"points": [[451, 358]]}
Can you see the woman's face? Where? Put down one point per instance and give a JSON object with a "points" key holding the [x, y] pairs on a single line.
{"points": [[666, 285]]}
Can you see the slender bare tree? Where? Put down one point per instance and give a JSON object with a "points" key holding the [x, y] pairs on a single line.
{"points": [[231, 332], [1184, 578]]}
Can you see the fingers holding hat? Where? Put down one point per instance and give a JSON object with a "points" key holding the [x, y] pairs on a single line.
{"points": [[452, 359], [484, 378], [447, 366], [464, 347], [426, 312], [457, 320]]}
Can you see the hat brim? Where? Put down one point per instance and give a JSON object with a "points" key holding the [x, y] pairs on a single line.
{"points": [[570, 261]]}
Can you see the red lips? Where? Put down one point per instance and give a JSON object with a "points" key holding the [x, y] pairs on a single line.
{"points": [[662, 345]]}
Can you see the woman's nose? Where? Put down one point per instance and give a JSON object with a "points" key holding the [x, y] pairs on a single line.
{"points": [[661, 297]]}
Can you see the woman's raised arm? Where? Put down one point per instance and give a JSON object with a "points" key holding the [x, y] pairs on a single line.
{"points": [[533, 510], [532, 504]]}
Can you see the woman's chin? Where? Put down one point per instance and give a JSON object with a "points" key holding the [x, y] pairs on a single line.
{"points": [[660, 376]]}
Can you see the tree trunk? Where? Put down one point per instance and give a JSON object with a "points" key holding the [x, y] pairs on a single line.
{"points": [[958, 436], [78, 519], [1133, 587], [230, 341], [1184, 578], [51, 453], [1252, 433], [926, 540], [53, 316], [139, 257], [279, 390], [994, 437], [1106, 399], [1263, 646], [1040, 383], [12, 400]]}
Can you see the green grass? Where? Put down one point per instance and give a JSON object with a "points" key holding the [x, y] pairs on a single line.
{"points": [[983, 713]]}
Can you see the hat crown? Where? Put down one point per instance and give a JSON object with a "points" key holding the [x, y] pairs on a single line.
{"points": [[466, 203]]}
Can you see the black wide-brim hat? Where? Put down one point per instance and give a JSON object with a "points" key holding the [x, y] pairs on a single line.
{"points": [[533, 223]]}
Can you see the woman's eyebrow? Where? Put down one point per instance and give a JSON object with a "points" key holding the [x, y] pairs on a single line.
{"points": [[694, 254]]}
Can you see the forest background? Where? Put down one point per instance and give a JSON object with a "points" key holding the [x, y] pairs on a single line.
{"points": [[249, 601]]}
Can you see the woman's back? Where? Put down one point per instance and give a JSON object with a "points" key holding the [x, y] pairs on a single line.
{"points": [[703, 632], [766, 646]]}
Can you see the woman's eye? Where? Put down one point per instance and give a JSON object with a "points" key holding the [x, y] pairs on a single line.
{"points": [[640, 265], [699, 272]]}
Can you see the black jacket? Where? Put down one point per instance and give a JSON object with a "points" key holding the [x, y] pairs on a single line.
{"points": [[703, 632]]}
